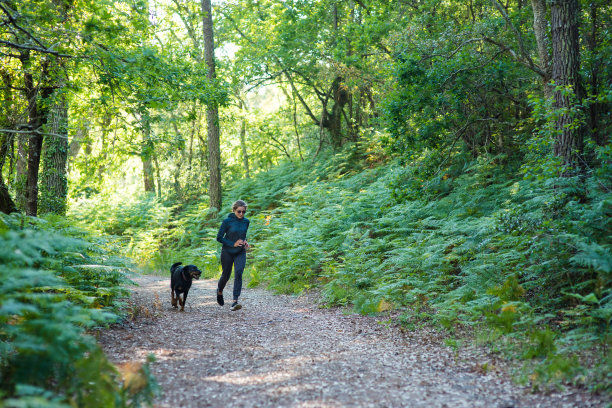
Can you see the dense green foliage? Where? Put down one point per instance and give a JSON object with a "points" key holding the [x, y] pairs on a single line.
{"points": [[54, 287], [524, 260], [449, 160]]}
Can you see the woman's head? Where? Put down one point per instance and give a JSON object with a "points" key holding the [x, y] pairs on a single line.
{"points": [[239, 208]]}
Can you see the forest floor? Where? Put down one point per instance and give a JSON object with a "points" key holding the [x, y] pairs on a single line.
{"points": [[286, 351]]}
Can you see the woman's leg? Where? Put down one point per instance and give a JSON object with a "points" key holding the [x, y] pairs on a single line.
{"points": [[239, 264], [227, 261]]}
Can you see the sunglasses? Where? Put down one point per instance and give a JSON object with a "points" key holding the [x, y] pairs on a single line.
{"points": [[241, 211]]}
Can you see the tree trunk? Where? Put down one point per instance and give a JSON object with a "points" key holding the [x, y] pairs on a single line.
{"points": [[340, 96], [243, 144], [147, 170], [21, 171], [37, 118], [54, 180], [145, 156], [295, 127], [77, 140], [105, 127], [203, 152], [37, 122], [7, 205], [195, 125], [158, 175], [540, 29], [243, 147], [596, 109], [54, 177], [566, 75], [212, 112], [34, 153], [176, 174]]}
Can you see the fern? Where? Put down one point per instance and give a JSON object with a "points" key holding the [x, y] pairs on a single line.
{"points": [[53, 288]]}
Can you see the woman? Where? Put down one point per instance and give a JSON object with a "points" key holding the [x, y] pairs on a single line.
{"points": [[232, 235]]}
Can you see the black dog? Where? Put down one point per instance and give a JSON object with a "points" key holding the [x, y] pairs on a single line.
{"points": [[180, 282]]}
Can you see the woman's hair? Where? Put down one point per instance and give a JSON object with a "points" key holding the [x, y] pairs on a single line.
{"points": [[239, 203]]}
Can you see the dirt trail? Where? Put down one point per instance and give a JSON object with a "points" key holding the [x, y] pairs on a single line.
{"points": [[284, 351]]}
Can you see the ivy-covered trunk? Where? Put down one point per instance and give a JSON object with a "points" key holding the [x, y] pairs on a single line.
{"points": [[21, 171], [54, 181]]}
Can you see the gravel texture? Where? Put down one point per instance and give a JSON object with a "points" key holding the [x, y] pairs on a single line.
{"points": [[285, 351]]}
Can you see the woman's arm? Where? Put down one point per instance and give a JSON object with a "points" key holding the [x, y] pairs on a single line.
{"points": [[221, 234], [246, 244]]}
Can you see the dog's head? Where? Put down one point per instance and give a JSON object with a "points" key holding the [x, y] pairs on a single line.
{"points": [[192, 271]]}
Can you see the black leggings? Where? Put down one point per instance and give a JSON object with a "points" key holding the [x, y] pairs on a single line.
{"points": [[227, 261]]}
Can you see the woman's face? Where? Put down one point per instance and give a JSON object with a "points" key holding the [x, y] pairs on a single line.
{"points": [[239, 212]]}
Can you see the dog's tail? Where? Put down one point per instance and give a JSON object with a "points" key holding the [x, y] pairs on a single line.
{"points": [[174, 265]]}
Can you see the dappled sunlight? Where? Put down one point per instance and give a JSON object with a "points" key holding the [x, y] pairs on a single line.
{"points": [[320, 404], [296, 362], [247, 378]]}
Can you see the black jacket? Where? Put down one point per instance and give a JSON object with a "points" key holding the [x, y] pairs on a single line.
{"points": [[232, 229]]}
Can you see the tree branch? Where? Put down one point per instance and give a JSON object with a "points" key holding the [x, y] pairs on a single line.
{"points": [[17, 26], [363, 6], [35, 131], [260, 81], [308, 111], [471, 40], [280, 146], [529, 63], [43, 50], [320, 94], [526, 58], [455, 73], [189, 26]]}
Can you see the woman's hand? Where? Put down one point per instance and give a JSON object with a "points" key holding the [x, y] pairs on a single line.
{"points": [[239, 243]]}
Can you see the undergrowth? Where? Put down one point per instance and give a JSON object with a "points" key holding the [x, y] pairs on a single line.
{"points": [[517, 255], [55, 287]]}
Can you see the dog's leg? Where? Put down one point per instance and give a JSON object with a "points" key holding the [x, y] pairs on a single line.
{"points": [[182, 302], [173, 298]]}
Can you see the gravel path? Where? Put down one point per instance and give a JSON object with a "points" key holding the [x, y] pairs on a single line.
{"points": [[284, 351]]}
